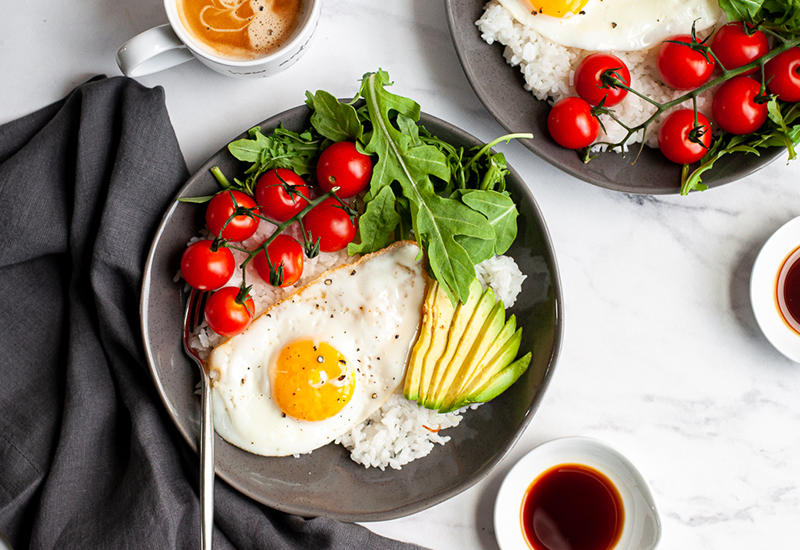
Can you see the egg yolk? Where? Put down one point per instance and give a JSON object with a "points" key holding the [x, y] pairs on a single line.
{"points": [[311, 381], [558, 8]]}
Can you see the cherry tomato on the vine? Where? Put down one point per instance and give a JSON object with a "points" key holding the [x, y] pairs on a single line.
{"points": [[735, 48], [341, 165], [681, 67], [674, 134], [571, 123], [782, 73], [734, 106], [286, 251], [225, 315], [221, 208], [205, 268], [281, 194], [329, 223], [588, 83]]}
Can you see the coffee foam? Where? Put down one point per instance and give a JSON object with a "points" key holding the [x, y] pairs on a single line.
{"points": [[273, 23]]}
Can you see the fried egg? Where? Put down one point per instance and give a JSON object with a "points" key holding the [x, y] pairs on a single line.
{"points": [[619, 25], [322, 360]]}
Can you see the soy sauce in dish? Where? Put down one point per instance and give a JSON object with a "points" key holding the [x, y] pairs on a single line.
{"points": [[788, 290], [572, 507]]}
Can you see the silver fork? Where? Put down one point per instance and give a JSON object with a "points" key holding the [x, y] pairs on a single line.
{"points": [[191, 319]]}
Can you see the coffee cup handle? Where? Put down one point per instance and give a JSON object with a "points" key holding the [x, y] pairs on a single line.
{"points": [[151, 51]]}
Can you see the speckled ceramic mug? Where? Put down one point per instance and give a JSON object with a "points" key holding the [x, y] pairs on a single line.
{"points": [[169, 45]]}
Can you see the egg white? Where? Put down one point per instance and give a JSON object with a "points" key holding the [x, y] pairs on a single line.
{"points": [[370, 311], [619, 25]]}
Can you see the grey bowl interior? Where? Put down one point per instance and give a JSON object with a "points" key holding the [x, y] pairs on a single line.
{"points": [[326, 482], [499, 87]]}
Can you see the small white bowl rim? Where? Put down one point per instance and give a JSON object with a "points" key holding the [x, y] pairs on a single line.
{"points": [[763, 279], [509, 498]]}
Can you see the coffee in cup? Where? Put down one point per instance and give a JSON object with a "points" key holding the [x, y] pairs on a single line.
{"points": [[240, 29], [242, 38]]}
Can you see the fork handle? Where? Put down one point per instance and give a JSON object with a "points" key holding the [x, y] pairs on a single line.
{"points": [[206, 469]]}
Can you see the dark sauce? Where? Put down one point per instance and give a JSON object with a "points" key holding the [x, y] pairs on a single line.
{"points": [[790, 305], [572, 507]]}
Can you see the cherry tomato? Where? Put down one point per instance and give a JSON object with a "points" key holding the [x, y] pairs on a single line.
{"points": [[673, 137], [589, 85], [280, 200], [329, 223], [734, 109], [572, 124], [221, 207], [342, 165], [783, 75], [225, 315], [204, 268], [734, 48], [283, 250], [681, 67]]}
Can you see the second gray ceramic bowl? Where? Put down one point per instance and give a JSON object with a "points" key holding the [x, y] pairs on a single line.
{"points": [[326, 482], [499, 86]]}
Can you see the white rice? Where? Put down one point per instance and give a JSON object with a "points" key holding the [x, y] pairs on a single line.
{"points": [[549, 70], [400, 431], [397, 433], [504, 276]]}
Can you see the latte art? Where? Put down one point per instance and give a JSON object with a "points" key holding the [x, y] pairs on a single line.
{"points": [[241, 29]]}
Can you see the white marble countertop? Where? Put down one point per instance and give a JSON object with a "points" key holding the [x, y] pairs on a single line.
{"points": [[661, 357]]}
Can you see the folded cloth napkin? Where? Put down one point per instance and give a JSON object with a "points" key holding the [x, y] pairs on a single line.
{"points": [[88, 456]]}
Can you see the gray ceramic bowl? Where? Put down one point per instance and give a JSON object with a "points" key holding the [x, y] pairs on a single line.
{"points": [[326, 482], [499, 86]]}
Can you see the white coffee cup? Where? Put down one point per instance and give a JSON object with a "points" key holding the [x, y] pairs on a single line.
{"points": [[169, 45]]}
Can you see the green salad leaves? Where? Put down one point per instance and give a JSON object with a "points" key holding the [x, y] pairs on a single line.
{"points": [[452, 201]]}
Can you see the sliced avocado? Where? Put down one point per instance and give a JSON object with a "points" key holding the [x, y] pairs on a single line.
{"points": [[463, 313], [497, 358], [492, 326], [501, 381], [443, 312], [472, 328], [414, 372], [496, 385]]}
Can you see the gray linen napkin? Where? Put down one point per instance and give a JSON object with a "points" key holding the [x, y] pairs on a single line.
{"points": [[88, 456]]}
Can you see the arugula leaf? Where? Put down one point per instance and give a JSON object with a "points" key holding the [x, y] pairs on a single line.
{"points": [[728, 143], [500, 211], [333, 120], [741, 10], [783, 14], [436, 221], [376, 225], [282, 149], [249, 150]]}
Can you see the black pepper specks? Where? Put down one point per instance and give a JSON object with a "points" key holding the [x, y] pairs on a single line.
{"points": [[613, 25], [353, 272], [329, 282]]}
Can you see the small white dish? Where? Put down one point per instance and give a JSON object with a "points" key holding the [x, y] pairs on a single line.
{"points": [[763, 289], [642, 527]]}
